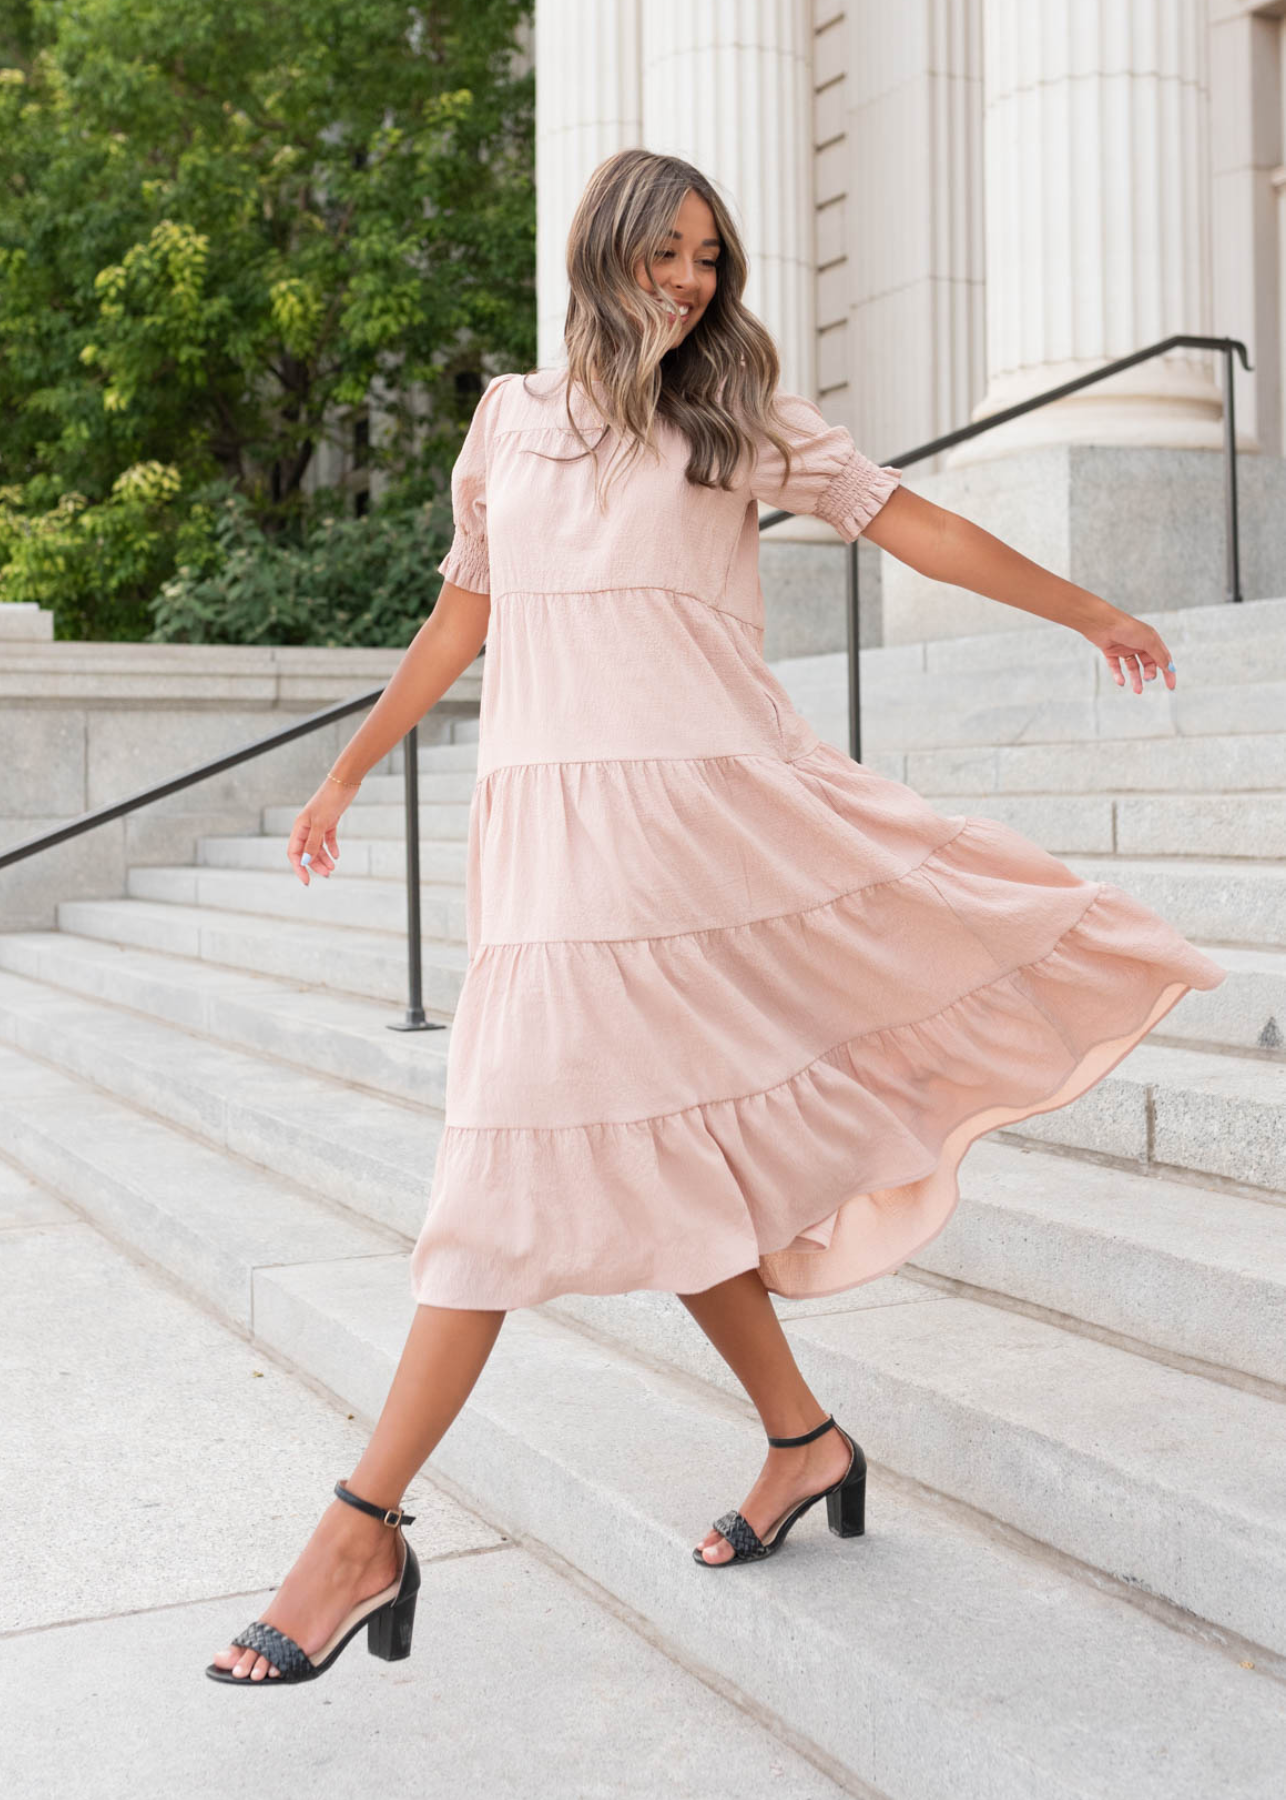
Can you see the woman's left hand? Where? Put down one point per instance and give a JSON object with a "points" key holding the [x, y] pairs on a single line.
{"points": [[1131, 647]]}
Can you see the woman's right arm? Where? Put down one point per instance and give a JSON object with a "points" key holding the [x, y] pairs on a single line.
{"points": [[441, 650]]}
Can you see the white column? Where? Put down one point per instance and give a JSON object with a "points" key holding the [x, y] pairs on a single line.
{"points": [[588, 104], [1275, 330], [912, 274], [1096, 149], [728, 88]]}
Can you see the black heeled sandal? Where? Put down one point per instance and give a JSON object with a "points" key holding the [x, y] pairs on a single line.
{"points": [[388, 1616], [845, 1507]]}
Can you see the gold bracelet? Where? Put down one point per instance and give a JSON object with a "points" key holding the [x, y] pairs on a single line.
{"points": [[339, 783]]}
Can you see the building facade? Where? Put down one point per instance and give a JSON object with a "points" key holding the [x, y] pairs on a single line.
{"points": [[954, 205]]}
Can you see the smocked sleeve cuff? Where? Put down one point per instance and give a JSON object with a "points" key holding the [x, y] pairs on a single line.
{"points": [[467, 563], [856, 493]]}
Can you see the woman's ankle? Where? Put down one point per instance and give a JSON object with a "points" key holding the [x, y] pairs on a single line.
{"points": [[354, 1535]]}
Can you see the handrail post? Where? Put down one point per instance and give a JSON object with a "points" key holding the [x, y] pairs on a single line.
{"points": [[415, 1019], [1232, 550], [853, 597]]}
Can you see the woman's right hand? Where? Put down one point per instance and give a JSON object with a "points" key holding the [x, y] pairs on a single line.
{"points": [[313, 835]]}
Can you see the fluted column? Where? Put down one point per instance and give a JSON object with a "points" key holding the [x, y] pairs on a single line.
{"points": [[728, 87], [588, 104], [1096, 154], [911, 169]]}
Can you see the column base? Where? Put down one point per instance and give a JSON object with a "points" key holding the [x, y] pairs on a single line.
{"points": [[1143, 527]]}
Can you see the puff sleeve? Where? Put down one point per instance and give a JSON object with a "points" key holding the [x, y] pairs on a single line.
{"points": [[829, 476], [467, 562]]}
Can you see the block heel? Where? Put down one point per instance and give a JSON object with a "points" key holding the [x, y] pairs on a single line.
{"points": [[388, 1632], [845, 1507], [389, 1618], [846, 1504]]}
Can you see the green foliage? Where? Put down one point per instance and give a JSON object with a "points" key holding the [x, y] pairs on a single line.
{"points": [[94, 565], [223, 225], [365, 581]]}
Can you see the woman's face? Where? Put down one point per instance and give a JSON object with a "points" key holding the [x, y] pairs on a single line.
{"points": [[687, 271]]}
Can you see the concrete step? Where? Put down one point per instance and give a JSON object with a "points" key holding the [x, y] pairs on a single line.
{"points": [[1203, 633], [1247, 1011], [1249, 826], [370, 1154], [583, 1477], [1151, 766], [442, 860], [321, 1030], [888, 1651], [1168, 1107], [372, 963], [1044, 685], [939, 714], [344, 898], [1166, 1480], [1067, 668], [205, 1216], [371, 820], [460, 753], [1171, 1266], [1215, 635], [438, 786], [1219, 902]]}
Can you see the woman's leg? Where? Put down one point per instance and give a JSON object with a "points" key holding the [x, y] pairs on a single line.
{"points": [[351, 1555], [740, 1321]]}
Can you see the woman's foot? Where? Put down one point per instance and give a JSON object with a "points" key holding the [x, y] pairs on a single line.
{"points": [[348, 1558], [787, 1477]]}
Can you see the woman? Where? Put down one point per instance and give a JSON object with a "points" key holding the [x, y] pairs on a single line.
{"points": [[719, 974]]}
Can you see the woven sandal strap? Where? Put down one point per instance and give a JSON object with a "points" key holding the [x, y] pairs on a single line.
{"points": [[281, 1651], [805, 1437], [741, 1534], [390, 1515]]}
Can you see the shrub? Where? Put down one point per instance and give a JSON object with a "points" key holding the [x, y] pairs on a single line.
{"points": [[369, 581]]}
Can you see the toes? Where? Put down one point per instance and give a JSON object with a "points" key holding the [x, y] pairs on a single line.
{"points": [[716, 1548], [245, 1664]]}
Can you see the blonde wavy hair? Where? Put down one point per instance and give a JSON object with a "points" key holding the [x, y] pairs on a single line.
{"points": [[717, 385]]}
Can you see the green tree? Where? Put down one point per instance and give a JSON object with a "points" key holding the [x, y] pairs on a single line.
{"points": [[223, 225]]}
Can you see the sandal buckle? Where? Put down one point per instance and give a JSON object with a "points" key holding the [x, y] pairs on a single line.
{"points": [[393, 1516]]}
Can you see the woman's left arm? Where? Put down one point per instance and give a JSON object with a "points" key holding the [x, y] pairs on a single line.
{"points": [[947, 547]]}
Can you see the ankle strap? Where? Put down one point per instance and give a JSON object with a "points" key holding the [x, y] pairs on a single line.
{"points": [[390, 1515], [805, 1437]]}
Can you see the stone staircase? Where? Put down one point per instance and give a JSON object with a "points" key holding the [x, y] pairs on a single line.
{"points": [[1074, 1577]]}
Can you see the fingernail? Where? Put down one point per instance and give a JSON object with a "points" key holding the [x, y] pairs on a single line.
{"points": [[307, 857], [1169, 665]]}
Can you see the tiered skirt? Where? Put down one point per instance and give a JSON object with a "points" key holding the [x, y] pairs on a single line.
{"points": [[745, 1011]]}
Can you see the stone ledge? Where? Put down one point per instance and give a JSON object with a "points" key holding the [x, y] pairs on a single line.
{"points": [[24, 621], [203, 675]]}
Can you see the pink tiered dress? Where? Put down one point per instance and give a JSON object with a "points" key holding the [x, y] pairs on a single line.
{"points": [[732, 999]]}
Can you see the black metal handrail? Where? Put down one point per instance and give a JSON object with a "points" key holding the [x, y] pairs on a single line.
{"points": [[414, 1019], [1228, 347]]}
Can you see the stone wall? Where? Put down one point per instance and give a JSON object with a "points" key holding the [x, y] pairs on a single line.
{"points": [[85, 724]]}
